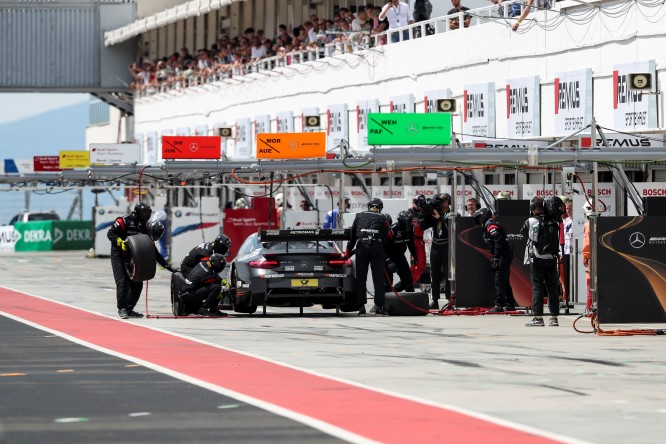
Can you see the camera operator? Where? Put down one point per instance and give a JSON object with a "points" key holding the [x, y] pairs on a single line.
{"points": [[434, 215]]}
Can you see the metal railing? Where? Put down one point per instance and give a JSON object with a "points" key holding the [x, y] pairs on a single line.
{"points": [[351, 42]]}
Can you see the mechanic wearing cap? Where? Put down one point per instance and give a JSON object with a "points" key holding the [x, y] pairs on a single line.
{"points": [[368, 235], [434, 216], [400, 237], [202, 252], [128, 292], [202, 288], [418, 260], [500, 261]]}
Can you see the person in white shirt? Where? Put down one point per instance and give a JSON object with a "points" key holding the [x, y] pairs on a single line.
{"points": [[398, 15]]}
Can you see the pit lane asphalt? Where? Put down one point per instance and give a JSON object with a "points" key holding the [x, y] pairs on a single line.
{"points": [[594, 389]]}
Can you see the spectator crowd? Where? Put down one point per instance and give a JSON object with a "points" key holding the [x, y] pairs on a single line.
{"points": [[235, 56]]}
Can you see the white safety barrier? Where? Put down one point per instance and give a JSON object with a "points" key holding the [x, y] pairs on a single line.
{"points": [[104, 218], [191, 226], [7, 239]]}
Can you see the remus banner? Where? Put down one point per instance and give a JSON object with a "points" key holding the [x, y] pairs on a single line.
{"points": [[631, 268]]}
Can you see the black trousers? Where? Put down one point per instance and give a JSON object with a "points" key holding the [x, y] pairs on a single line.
{"points": [[502, 278], [204, 297], [545, 276], [439, 270], [127, 292], [404, 273], [369, 254]]}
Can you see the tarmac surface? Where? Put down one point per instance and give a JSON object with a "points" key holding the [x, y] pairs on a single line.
{"points": [[72, 371]]}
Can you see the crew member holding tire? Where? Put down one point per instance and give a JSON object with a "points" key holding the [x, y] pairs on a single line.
{"points": [[401, 237], [501, 256], [127, 291], [199, 295], [369, 233], [202, 252]]}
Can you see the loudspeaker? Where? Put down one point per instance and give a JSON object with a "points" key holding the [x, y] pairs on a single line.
{"points": [[311, 121], [224, 132], [446, 105], [640, 81], [408, 304]]}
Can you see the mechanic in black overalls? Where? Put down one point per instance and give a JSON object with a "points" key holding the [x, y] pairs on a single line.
{"points": [[202, 252], [369, 234], [434, 216], [500, 262], [128, 292], [202, 288], [400, 237]]}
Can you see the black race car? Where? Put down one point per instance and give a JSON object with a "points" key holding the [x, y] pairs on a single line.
{"points": [[292, 268]]}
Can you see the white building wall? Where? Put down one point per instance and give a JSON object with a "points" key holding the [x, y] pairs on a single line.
{"points": [[489, 52]]}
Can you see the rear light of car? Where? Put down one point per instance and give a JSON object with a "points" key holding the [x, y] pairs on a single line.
{"points": [[263, 264], [340, 263]]}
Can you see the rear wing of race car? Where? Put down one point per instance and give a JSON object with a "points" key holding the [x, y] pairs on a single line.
{"points": [[318, 234]]}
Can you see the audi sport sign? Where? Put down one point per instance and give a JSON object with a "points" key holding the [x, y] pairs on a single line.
{"points": [[191, 147]]}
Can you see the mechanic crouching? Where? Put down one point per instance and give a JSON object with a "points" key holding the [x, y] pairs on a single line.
{"points": [[128, 292], [401, 237], [202, 252], [369, 234], [200, 293]]}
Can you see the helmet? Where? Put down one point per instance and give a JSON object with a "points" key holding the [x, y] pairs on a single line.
{"points": [[405, 219], [482, 216], [553, 208], [155, 230], [420, 201], [587, 208], [375, 204], [221, 244], [143, 211], [217, 262], [279, 198]]}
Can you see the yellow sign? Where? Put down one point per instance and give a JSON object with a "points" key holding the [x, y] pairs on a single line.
{"points": [[291, 145], [305, 282], [74, 159]]}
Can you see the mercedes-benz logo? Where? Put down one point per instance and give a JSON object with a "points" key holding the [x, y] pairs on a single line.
{"points": [[637, 240], [194, 147], [412, 128], [293, 145]]}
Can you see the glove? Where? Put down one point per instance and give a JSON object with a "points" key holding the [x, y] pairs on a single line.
{"points": [[415, 261], [225, 283], [349, 254], [390, 265], [121, 243], [495, 264]]}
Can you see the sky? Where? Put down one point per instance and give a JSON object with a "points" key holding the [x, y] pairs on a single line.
{"points": [[42, 124], [23, 105]]}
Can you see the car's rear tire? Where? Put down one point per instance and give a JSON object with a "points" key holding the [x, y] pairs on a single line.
{"points": [[140, 261], [236, 293]]}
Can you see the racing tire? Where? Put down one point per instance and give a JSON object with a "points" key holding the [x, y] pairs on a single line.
{"points": [[140, 261], [408, 304], [240, 308], [177, 281]]}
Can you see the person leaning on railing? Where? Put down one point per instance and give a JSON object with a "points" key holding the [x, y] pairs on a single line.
{"points": [[540, 4]]}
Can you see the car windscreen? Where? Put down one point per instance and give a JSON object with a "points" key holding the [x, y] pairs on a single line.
{"points": [[301, 246], [43, 216]]}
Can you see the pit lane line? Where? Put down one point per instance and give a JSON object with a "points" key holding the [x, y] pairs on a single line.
{"points": [[338, 407]]}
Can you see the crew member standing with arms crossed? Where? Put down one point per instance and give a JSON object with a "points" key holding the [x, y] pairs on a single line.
{"points": [[439, 251]]}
